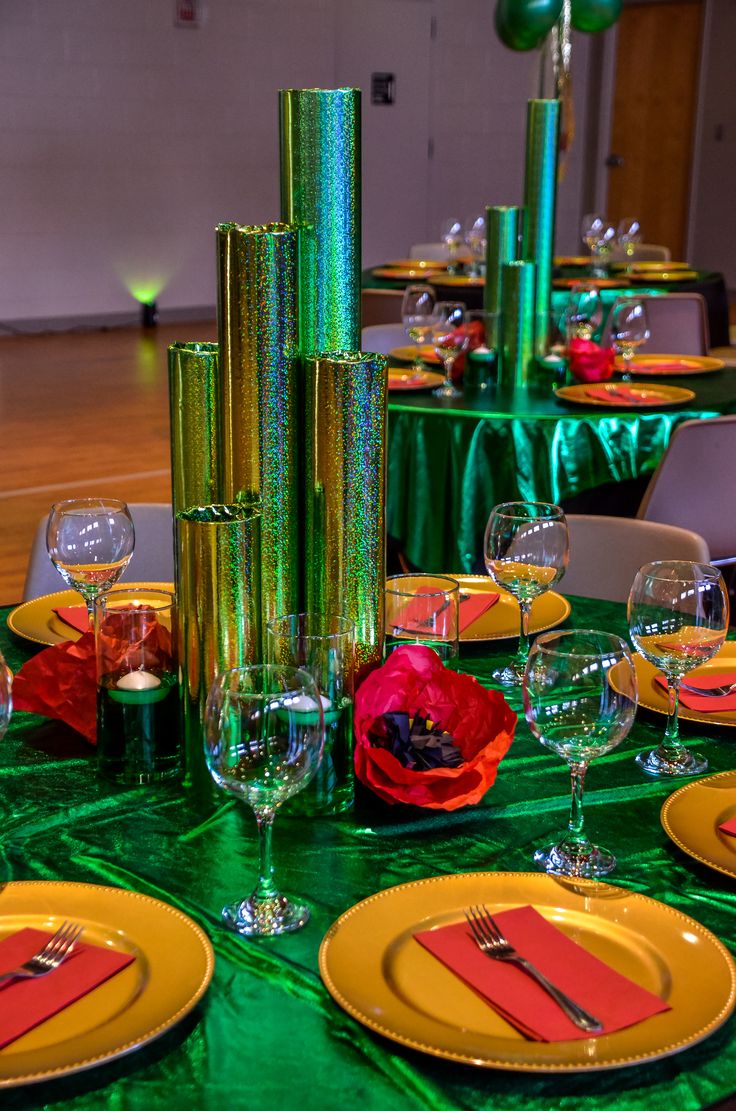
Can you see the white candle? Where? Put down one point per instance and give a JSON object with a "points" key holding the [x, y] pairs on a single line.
{"points": [[138, 681], [304, 704]]}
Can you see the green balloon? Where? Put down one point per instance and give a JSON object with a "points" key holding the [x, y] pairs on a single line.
{"points": [[594, 15], [524, 24]]}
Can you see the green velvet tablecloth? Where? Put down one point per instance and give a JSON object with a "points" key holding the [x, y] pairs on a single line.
{"points": [[450, 462], [267, 1034]]}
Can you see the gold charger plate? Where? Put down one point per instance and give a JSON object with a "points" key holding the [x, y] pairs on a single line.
{"points": [[455, 280], [599, 283], [652, 265], [501, 621], [36, 621], [691, 815], [654, 397], [669, 275], [407, 354], [684, 364], [654, 697], [403, 273], [171, 972], [410, 380], [571, 260], [376, 971], [416, 264]]}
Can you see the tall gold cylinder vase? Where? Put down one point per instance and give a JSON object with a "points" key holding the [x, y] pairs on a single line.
{"points": [[517, 361], [503, 229], [193, 377], [346, 396], [540, 194], [258, 390]]}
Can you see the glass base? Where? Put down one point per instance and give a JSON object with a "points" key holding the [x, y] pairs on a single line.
{"points": [[509, 676], [567, 859], [265, 917], [678, 761], [447, 390]]}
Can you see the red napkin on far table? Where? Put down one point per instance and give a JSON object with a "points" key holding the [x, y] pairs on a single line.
{"points": [[27, 1003], [623, 393], [76, 616], [703, 702], [614, 999], [415, 615]]}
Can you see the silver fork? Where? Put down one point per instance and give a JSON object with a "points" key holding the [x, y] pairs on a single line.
{"points": [[53, 953], [707, 692], [492, 942]]}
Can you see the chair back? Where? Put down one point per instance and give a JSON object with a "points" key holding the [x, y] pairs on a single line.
{"points": [[678, 325], [152, 559], [694, 485], [606, 553], [383, 338], [433, 252], [380, 306], [643, 252]]}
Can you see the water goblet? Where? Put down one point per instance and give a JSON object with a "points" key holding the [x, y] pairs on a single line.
{"points": [[452, 236], [583, 312], [526, 551], [678, 618], [417, 315], [590, 228], [628, 234], [264, 736], [580, 700], [602, 250], [450, 339], [629, 329], [90, 542]]}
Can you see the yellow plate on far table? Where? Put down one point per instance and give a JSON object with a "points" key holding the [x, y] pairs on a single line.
{"points": [[653, 266], [171, 972], [409, 353], [501, 621], [416, 264], [404, 273], [648, 397], [571, 260], [670, 366], [691, 816], [669, 275], [376, 971], [413, 380], [652, 696], [35, 620], [462, 280]]}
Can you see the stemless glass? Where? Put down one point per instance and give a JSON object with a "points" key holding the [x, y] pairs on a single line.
{"points": [[264, 736], [526, 551], [628, 234], [422, 609], [452, 236], [580, 700], [417, 315], [90, 542], [678, 618], [584, 312], [450, 338], [629, 329]]}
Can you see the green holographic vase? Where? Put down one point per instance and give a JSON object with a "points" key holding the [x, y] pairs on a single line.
{"points": [[258, 395], [193, 377], [321, 195], [517, 307], [218, 587], [503, 228], [346, 403], [540, 191]]}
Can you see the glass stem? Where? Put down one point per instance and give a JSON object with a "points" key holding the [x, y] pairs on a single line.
{"points": [[266, 888], [575, 826], [672, 732], [449, 364], [522, 652]]}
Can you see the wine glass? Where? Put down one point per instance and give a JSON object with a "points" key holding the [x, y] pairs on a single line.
{"points": [[90, 542], [475, 239], [264, 736], [451, 235], [678, 619], [584, 312], [629, 329], [590, 228], [6, 696], [580, 700], [628, 234], [417, 315], [526, 551], [602, 249], [450, 338]]}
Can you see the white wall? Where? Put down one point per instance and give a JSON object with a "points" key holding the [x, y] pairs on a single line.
{"points": [[125, 140]]}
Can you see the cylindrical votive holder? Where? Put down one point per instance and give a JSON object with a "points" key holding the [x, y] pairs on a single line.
{"points": [[138, 721], [346, 406], [503, 231], [218, 592], [481, 362], [323, 645], [320, 193], [423, 609], [517, 360], [193, 374], [540, 192]]}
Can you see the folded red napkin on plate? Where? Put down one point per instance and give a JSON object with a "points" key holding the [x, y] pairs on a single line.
{"points": [[624, 394], [729, 827], [677, 365], [588, 361], [61, 683], [76, 616], [27, 1003], [472, 606], [703, 702], [614, 999]]}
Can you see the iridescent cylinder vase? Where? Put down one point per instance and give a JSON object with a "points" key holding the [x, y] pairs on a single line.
{"points": [[259, 395], [193, 377], [540, 192], [503, 229], [345, 449], [218, 591], [517, 306], [321, 195]]}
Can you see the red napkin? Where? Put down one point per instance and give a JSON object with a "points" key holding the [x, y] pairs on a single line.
{"points": [[76, 616], [27, 1003], [589, 362], [706, 682], [61, 683], [623, 393], [614, 999], [729, 827], [476, 338], [415, 615], [677, 365]]}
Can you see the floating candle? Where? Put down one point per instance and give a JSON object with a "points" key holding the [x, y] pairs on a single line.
{"points": [[138, 681]]}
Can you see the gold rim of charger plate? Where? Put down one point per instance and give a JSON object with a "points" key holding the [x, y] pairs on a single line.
{"points": [[675, 395], [651, 699], [23, 621], [695, 796], [559, 605], [701, 364]]}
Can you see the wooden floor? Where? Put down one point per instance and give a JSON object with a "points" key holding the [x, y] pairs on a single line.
{"points": [[81, 413]]}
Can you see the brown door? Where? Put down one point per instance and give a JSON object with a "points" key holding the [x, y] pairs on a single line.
{"points": [[655, 101]]}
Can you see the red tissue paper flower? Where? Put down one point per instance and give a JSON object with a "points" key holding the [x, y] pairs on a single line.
{"points": [[414, 680], [589, 362]]}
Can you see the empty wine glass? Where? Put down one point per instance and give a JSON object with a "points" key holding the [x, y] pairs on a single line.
{"points": [[602, 249], [264, 736], [628, 234], [678, 619], [90, 542], [526, 551], [417, 315], [452, 236], [450, 338], [590, 229], [475, 239], [629, 329], [584, 312], [580, 700], [6, 696]]}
